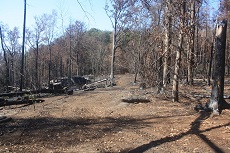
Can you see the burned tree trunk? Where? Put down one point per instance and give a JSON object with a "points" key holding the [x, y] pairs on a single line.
{"points": [[23, 49], [167, 43], [175, 90], [210, 65], [113, 55], [191, 43], [216, 102], [211, 60], [7, 72]]}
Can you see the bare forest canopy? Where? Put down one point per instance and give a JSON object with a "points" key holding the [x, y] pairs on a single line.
{"points": [[151, 38]]}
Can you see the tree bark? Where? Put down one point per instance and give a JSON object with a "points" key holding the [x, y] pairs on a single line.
{"points": [[217, 102], [50, 62], [160, 74], [113, 57], [167, 49], [210, 65], [175, 90], [191, 46], [36, 65], [6, 61], [23, 48], [70, 56]]}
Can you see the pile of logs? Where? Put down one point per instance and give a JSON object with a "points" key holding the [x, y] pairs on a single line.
{"points": [[17, 98]]}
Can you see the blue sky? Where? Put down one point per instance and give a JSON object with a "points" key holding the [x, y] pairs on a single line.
{"points": [[11, 12]]}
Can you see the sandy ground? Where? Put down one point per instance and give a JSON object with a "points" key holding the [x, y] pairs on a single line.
{"points": [[100, 122]]}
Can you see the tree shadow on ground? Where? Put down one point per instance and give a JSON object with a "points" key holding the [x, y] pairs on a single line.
{"points": [[195, 129], [64, 132], [226, 105]]}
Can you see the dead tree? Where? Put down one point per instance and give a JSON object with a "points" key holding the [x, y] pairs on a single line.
{"points": [[167, 43], [216, 102], [7, 73], [210, 62], [191, 43], [116, 17], [175, 90], [23, 48]]}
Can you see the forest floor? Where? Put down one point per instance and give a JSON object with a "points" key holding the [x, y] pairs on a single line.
{"points": [[100, 122]]}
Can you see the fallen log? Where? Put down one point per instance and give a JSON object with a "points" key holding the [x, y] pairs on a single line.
{"points": [[135, 100], [99, 81], [14, 94], [4, 119], [88, 87], [22, 93], [19, 102], [208, 96]]}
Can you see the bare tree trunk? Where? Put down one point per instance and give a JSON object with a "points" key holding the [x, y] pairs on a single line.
{"points": [[217, 101], [113, 57], [210, 64], [13, 73], [198, 48], [167, 49], [136, 73], [175, 90], [138, 60], [191, 49], [70, 57], [50, 62], [61, 67], [23, 48], [6, 61], [160, 74], [36, 65]]}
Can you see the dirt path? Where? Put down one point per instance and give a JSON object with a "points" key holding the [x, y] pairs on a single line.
{"points": [[98, 121]]}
